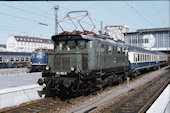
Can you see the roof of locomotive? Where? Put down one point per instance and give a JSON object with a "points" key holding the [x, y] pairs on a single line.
{"points": [[102, 38]]}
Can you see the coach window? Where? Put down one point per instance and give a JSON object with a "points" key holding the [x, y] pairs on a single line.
{"points": [[138, 57], [17, 59], [143, 57], [12, 59], [1, 59], [22, 58], [27, 59], [134, 57]]}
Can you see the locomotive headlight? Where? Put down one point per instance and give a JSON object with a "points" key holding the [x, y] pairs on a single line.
{"points": [[47, 68], [72, 68]]}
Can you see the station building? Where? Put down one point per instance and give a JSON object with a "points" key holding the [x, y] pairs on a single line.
{"points": [[156, 39], [27, 44]]}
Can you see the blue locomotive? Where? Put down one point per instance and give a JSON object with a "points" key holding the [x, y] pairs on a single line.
{"points": [[39, 59]]}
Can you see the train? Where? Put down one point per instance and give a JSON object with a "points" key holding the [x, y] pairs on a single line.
{"points": [[81, 63], [39, 59], [142, 60], [14, 59]]}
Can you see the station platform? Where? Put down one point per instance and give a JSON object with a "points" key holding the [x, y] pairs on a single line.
{"points": [[162, 103], [8, 81], [16, 89]]}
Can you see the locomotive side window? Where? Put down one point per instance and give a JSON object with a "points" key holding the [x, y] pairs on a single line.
{"points": [[115, 50], [118, 50], [110, 49], [1, 60], [123, 50], [107, 49], [102, 48]]}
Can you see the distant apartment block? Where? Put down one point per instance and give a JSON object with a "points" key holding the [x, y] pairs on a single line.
{"points": [[2, 47], [27, 44]]}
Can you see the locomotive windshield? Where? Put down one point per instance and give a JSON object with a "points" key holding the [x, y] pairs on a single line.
{"points": [[71, 45]]}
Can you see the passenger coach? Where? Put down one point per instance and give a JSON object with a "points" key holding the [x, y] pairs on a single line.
{"points": [[14, 59], [141, 59]]}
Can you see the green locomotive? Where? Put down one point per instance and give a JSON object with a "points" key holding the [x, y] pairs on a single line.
{"points": [[82, 63]]}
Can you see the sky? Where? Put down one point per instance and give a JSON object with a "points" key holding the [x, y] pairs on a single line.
{"points": [[24, 18]]}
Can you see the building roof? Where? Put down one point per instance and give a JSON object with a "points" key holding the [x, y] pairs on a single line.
{"points": [[150, 30], [32, 39]]}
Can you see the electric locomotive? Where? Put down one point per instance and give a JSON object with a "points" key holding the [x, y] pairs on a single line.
{"points": [[81, 63]]}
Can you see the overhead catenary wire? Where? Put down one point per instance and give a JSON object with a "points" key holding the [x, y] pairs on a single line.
{"points": [[157, 12], [138, 13], [23, 10], [40, 10]]}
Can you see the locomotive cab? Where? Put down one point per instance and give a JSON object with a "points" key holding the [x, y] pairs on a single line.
{"points": [[70, 55]]}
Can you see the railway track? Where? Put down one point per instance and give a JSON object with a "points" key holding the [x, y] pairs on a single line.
{"points": [[40, 106], [139, 100]]}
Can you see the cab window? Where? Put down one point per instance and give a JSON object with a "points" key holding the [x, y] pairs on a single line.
{"points": [[81, 44], [71, 44], [61, 45]]}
